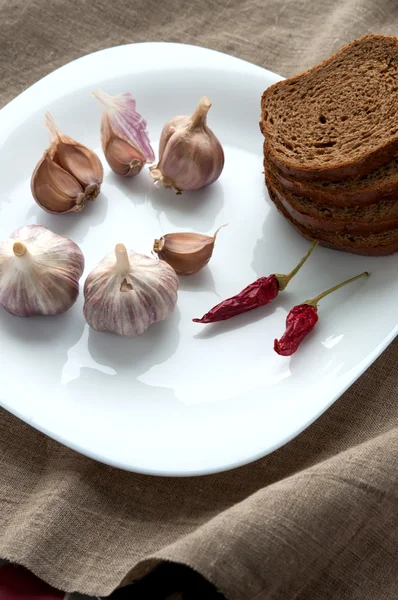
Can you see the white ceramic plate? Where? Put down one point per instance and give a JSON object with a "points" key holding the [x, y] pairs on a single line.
{"points": [[183, 398]]}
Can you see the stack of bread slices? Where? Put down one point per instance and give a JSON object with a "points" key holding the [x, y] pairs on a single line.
{"points": [[331, 148]]}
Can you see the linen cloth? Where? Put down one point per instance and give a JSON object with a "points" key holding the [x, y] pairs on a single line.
{"points": [[315, 520]]}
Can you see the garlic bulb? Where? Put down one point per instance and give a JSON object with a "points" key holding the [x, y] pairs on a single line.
{"points": [[39, 272], [67, 174], [127, 292], [124, 137], [190, 155], [186, 252]]}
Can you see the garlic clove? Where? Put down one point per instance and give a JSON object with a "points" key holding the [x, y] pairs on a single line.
{"points": [[186, 252], [124, 138], [127, 292], [76, 159], [190, 155], [124, 160], [56, 190], [67, 174], [79, 161], [39, 272]]}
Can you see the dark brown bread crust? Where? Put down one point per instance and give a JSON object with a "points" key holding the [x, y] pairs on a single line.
{"points": [[373, 244], [377, 217], [338, 119], [377, 159], [379, 185]]}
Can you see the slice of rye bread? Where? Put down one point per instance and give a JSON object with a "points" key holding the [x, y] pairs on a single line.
{"points": [[377, 217], [339, 119], [371, 244], [381, 184]]}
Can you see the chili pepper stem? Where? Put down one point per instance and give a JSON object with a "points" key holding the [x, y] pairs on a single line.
{"points": [[314, 302], [283, 280]]}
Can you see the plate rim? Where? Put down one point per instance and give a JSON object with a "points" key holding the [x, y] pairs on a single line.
{"points": [[12, 106]]}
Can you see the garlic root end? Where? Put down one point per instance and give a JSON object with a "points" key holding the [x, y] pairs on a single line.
{"points": [[135, 167], [157, 175], [158, 245], [91, 192]]}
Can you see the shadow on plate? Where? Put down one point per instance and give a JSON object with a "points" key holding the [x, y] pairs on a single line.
{"points": [[61, 331], [39, 345], [128, 358], [73, 225], [196, 210], [277, 231], [135, 188], [203, 281], [138, 354]]}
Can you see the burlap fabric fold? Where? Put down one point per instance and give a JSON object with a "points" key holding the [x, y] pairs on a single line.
{"points": [[316, 520]]}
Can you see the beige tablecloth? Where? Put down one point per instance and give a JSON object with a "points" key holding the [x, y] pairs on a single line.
{"points": [[316, 520]]}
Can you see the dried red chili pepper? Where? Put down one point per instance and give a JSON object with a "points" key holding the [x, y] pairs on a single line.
{"points": [[302, 319], [258, 293]]}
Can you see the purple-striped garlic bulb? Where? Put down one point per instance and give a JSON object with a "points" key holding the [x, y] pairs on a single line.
{"points": [[124, 138], [190, 155], [127, 292], [39, 272]]}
